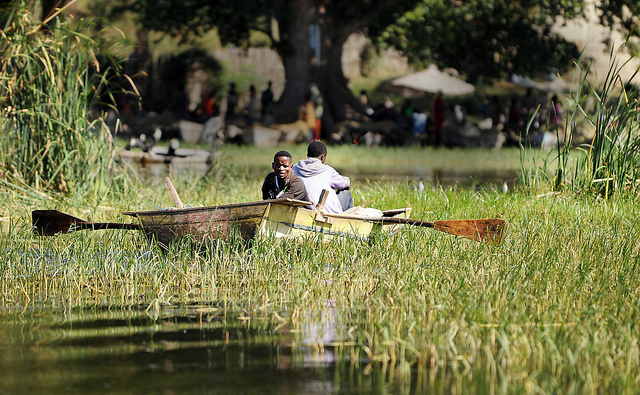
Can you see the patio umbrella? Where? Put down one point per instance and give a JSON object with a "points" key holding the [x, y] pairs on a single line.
{"points": [[433, 80]]}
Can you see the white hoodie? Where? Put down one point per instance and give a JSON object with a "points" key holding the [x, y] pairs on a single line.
{"points": [[318, 176]]}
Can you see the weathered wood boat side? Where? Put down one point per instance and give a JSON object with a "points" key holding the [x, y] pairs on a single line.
{"points": [[202, 224]]}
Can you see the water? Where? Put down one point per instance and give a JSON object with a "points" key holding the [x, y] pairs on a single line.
{"points": [[434, 176], [445, 177], [187, 349]]}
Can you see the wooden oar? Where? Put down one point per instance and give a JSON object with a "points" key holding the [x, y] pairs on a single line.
{"points": [[490, 230], [487, 230], [52, 222]]}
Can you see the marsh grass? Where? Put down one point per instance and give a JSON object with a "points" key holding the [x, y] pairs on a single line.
{"points": [[52, 80], [379, 160], [609, 163], [553, 310]]}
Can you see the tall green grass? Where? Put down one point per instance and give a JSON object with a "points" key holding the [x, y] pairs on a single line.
{"points": [[552, 311], [52, 81], [609, 163]]}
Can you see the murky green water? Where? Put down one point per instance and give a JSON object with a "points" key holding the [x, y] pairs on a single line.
{"points": [[190, 349], [429, 176]]}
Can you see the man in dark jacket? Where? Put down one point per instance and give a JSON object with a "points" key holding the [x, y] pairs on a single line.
{"points": [[282, 182]]}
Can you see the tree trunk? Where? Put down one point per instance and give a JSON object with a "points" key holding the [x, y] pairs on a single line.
{"points": [[296, 61], [338, 98], [321, 64], [304, 67]]}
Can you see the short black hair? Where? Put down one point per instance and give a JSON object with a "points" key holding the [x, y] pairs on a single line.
{"points": [[281, 153], [316, 148]]}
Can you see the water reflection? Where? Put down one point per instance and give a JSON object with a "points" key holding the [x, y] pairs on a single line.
{"points": [[186, 349], [203, 349]]}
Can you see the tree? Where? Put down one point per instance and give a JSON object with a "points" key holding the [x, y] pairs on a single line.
{"points": [[482, 38], [308, 34]]}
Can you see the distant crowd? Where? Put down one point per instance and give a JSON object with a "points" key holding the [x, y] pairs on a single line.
{"points": [[410, 124]]}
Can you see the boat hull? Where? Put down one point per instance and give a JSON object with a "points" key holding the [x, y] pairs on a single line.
{"points": [[182, 156], [282, 221], [280, 218], [204, 224]]}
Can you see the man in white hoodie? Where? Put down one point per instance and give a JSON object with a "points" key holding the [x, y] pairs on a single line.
{"points": [[318, 176]]}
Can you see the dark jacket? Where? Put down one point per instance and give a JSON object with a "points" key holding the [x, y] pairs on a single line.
{"points": [[293, 188]]}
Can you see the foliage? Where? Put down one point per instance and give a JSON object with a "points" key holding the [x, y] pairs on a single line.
{"points": [[51, 81], [234, 20], [610, 163], [483, 39], [621, 14]]}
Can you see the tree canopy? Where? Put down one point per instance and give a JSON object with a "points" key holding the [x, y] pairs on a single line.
{"points": [[481, 38], [308, 34]]}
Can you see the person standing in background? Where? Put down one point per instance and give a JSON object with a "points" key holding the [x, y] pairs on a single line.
{"points": [[316, 98], [253, 108], [438, 117], [266, 100], [309, 112], [232, 102]]}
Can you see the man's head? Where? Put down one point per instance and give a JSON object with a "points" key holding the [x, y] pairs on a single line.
{"points": [[317, 149], [282, 164]]}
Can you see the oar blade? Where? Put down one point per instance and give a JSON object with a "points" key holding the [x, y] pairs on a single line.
{"points": [[53, 222], [486, 230]]}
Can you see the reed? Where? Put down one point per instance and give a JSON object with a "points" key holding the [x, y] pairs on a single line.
{"points": [[52, 81], [550, 311], [609, 163]]}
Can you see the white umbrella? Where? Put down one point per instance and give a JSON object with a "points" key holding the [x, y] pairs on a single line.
{"points": [[433, 80]]}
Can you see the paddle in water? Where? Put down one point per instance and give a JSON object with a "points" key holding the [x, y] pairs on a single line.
{"points": [[53, 222]]}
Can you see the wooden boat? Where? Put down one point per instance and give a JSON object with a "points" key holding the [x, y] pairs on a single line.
{"points": [[161, 155], [202, 224], [280, 218]]}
